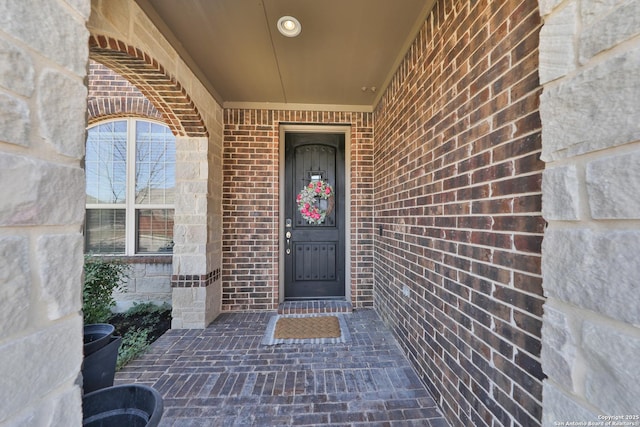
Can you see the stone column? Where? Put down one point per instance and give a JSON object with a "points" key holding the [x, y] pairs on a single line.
{"points": [[195, 282], [590, 69], [43, 60]]}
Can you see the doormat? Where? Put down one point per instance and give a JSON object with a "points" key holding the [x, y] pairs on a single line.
{"points": [[306, 329]]}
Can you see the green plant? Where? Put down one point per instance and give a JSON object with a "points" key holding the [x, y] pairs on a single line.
{"points": [[139, 326], [134, 343], [101, 278]]}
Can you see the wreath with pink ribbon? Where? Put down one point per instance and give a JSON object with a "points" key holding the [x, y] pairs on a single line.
{"points": [[310, 201]]}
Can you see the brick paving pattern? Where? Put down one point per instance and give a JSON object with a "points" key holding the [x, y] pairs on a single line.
{"points": [[222, 376], [314, 306]]}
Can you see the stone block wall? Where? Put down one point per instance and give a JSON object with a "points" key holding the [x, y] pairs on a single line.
{"points": [[41, 210], [251, 205], [590, 69], [148, 281], [458, 210]]}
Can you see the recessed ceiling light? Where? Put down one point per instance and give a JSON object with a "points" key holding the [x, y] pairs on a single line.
{"points": [[289, 26]]}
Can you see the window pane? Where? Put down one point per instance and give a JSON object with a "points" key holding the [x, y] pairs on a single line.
{"points": [[106, 163], [105, 231], [155, 230], [155, 164]]}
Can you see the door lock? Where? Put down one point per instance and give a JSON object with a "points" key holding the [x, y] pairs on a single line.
{"points": [[288, 236]]}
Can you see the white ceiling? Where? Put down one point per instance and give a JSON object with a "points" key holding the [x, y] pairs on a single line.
{"points": [[345, 45]]}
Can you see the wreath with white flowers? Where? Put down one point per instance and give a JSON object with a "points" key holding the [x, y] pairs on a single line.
{"points": [[309, 201]]}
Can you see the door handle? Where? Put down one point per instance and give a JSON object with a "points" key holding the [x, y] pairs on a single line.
{"points": [[288, 236]]}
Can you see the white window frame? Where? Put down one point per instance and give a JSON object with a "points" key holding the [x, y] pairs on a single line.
{"points": [[130, 206]]}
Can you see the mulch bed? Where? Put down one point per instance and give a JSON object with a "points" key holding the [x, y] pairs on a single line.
{"points": [[157, 323]]}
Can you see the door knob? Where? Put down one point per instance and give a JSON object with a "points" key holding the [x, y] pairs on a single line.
{"points": [[288, 236]]}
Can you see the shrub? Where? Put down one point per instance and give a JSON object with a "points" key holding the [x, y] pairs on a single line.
{"points": [[134, 343], [101, 278]]}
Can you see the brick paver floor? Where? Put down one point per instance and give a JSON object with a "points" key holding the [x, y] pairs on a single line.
{"points": [[223, 376]]}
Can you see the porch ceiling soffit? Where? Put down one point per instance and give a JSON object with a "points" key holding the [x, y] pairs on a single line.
{"points": [[344, 58]]}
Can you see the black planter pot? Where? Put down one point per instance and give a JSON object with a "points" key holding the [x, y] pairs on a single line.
{"points": [[96, 336], [131, 405], [99, 368]]}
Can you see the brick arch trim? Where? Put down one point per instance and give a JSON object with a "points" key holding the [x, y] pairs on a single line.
{"points": [[108, 108], [163, 91]]}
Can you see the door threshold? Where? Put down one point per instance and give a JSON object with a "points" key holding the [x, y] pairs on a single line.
{"points": [[314, 306]]}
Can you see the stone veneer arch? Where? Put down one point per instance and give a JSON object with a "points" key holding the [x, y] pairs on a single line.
{"points": [[145, 73]]}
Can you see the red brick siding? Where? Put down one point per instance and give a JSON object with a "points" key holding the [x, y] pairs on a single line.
{"points": [[458, 197], [110, 96], [251, 205]]}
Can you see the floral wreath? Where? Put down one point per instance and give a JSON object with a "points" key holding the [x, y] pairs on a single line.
{"points": [[308, 201]]}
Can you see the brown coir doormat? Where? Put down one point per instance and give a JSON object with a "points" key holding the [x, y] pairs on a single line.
{"points": [[307, 327]]}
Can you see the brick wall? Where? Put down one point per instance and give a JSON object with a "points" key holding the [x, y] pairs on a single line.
{"points": [[251, 204], [110, 95], [457, 204]]}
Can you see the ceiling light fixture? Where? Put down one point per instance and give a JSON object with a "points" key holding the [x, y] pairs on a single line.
{"points": [[289, 26]]}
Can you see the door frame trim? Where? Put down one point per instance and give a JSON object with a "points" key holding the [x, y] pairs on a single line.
{"points": [[315, 128]]}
